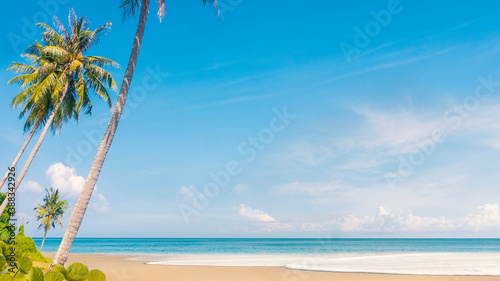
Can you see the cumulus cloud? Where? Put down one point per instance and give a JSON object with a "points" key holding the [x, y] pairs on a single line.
{"points": [[102, 204], [70, 184], [31, 186], [390, 221], [254, 214], [486, 217], [65, 179], [261, 221]]}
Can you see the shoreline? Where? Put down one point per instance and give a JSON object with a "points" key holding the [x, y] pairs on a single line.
{"points": [[128, 267]]}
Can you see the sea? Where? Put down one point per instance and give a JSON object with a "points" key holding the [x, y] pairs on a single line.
{"points": [[396, 256]]}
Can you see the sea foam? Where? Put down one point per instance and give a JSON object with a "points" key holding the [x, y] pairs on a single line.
{"points": [[404, 263]]}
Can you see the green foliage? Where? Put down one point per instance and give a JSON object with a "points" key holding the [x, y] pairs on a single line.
{"points": [[20, 232], [25, 246], [58, 77], [4, 220], [96, 275], [22, 269], [78, 272], [28, 247]]}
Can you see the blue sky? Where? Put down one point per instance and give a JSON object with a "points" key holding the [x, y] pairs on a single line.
{"points": [[399, 138]]}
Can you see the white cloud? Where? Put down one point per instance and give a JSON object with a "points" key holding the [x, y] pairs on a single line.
{"points": [[65, 179], [31, 186], [262, 222], [242, 189], [311, 188], [487, 217], [254, 214], [397, 132], [275, 226], [389, 221], [102, 204], [493, 143], [186, 193]]}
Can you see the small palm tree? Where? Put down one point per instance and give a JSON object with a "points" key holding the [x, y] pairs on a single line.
{"points": [[51, 211], [129, 8], [61, 69]]}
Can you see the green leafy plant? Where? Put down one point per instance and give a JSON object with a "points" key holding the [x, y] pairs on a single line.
{"points": [[28, 247], [23, 270], [5, 221]]}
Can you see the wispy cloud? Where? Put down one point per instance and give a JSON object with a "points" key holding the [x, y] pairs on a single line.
{"points": [[31, 186]]}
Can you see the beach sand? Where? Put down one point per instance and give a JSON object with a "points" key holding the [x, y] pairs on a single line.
{"points": [[117, 268]]}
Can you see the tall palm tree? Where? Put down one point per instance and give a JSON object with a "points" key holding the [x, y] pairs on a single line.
{"points": [[129, 8], [51, 211], [63, 71], [39, 112]]}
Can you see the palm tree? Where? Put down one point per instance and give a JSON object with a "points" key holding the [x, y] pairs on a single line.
{"points": [[129, 8], [63, 71], [51, 211], [39, 112]]}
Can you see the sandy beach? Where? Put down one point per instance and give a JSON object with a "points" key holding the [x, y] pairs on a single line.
{"points": [[118, 268]]}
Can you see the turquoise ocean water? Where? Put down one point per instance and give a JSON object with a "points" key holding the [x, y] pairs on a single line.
{"points": [[272, 246]]}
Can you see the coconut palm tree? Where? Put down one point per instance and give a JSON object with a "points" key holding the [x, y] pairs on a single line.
{"points": [[129, 8], [63, 71], [39, 112], [51, 211]]}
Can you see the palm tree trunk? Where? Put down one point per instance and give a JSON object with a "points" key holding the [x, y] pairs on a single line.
{"points": [[83, 201], [43, 241], [35, 149], [20, 153]]}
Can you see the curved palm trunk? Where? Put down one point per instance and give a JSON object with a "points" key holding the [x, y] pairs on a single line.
{"points": [[35, 149], [83, 201], [20, 153], [44, 236]]}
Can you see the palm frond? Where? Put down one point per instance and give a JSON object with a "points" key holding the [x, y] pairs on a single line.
{"points": [[54, 51], [94, 37], [18, 67], [50, 36], [102, 75], [100, 61], [161, 9], [128, 8], [214, 3], [60, 26]]}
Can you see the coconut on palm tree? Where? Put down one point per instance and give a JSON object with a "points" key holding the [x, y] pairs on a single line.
{"points": [[62, 72], [129, 8], [51, 211]]}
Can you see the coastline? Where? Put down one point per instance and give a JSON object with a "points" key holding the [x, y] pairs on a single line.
{"points": [[124, 267]]}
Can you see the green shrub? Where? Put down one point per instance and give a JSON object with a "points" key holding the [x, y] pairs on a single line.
{"points": [[28, 247], [23, 269]]}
